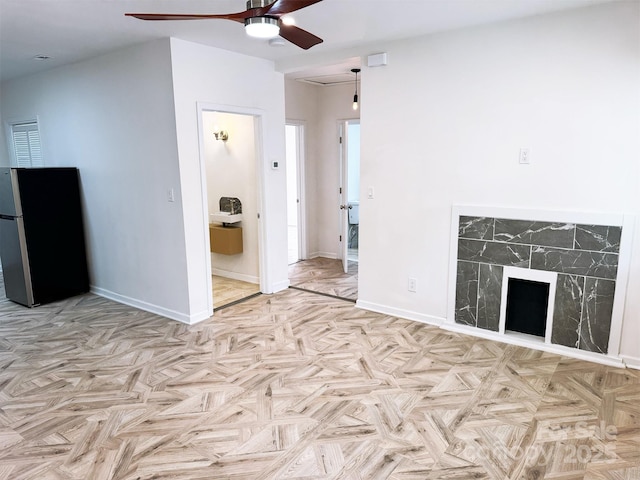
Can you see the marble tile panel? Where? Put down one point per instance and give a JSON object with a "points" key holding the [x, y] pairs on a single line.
{"points": [[568, 310], [598, 238], [489, 293], [467, 293], [596, 315], [575, 262], [496, 253], [535, 233], [476, 227]]}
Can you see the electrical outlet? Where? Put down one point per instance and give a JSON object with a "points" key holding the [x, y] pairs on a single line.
{"points": [[171, 197], [525, 156], [412, 285]]}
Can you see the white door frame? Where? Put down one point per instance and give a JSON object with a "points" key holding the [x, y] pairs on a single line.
{"points": [[258, 118], [343, 195], [300, 180]]}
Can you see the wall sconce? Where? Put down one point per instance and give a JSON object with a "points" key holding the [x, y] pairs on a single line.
{"points": [[221, 135]]}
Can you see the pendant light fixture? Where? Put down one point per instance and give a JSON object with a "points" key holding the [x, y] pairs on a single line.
{"points": [[355, 96]]}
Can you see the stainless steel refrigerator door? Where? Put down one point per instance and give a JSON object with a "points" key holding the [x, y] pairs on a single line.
{"points": [[9, 193], [15, 262]]}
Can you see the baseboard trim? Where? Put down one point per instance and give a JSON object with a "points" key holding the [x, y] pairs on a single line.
{"points": [[631, 362], [235, 276], [545, 347], [331, 256], [401, 313], [149, 307], [281, 285], [619, 362]]}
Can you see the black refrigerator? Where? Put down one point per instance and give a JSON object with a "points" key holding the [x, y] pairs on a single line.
{"points": [[42, 245]]}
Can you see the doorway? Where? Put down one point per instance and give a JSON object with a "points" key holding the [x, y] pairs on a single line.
{"points": [[337, 276], [230, 160], [349, 191], [352, 173], [294, 137]]}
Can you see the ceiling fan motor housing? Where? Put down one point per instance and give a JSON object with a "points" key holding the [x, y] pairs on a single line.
{"points": [[251, 4]]}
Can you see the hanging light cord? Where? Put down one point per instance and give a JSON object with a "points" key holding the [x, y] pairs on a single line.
{"points": [[355, 96]]}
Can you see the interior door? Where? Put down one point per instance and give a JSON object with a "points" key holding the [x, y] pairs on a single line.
{"points": [[344, 197]]}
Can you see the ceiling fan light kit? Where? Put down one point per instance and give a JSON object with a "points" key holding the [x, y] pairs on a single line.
{"points": [[261, 20], [262, 27]]}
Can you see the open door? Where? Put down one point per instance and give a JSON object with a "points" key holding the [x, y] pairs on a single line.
{"points": [[294, 135], [349, 191]]}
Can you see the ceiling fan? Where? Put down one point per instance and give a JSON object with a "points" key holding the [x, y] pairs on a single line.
{"points": [[261, 19]]}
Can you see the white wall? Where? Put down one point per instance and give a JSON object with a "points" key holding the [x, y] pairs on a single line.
{"points": [[5, 160], [113, 118], [322, 108], [240, 84], [231, 172], [460, 106]]}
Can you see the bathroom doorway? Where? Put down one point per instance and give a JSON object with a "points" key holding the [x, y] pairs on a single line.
{"points": [[230, 158], [294, 135], [350, 191]]}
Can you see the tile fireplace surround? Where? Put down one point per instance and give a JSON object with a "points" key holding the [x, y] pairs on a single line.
{"points": [[585, 256]]}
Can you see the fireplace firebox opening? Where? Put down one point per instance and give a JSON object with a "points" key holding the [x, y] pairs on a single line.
{"points": [[527, 304]]}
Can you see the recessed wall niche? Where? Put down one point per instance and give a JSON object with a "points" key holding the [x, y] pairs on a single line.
{"points": [[584, 256]]}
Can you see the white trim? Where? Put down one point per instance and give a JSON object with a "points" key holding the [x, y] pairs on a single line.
{"points": [[520, 340], [343, 198], [279, 286], [631, 362], [622, 280], [301, 157], [329, 255], [536, 276], [401, 313], [259, 117], [235, 276], [149, 307], [343, 184], [511, 338]]}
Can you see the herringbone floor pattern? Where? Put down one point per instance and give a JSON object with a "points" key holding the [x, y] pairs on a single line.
{"points": [[297, 386]]}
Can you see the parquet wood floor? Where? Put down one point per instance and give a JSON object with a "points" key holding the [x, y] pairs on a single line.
{"points": [[229, 290], [297, 386], [325, 275]]}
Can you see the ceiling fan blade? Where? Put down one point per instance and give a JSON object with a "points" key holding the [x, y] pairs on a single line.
{"points": [[238, 17], [299, 37], [282, 7]]}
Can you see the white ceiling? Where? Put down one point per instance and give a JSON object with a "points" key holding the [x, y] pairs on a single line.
{"points": [[72, 30]]}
